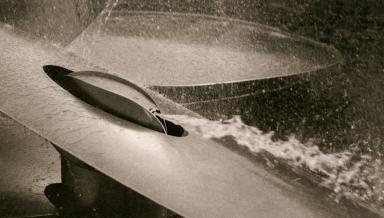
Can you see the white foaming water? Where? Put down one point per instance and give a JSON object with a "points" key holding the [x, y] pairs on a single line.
{"points": [[355, 178]]}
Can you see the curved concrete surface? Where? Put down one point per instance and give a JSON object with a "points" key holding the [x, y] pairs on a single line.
{"points": [[173, 171], [165, 169], [181, 163]]}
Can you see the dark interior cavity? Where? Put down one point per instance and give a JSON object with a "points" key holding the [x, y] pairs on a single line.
{"points": [[59, 75]]}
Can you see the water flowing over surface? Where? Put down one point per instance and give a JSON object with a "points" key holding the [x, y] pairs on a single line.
{"points": [[177, 63], [188, 50], [346, 173]]}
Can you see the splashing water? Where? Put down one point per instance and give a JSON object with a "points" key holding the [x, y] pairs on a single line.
{"points": [[106, 13], [358, 177], [111, 4]]}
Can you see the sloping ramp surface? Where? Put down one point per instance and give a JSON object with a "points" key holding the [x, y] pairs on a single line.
{"points": [[190, 175]]}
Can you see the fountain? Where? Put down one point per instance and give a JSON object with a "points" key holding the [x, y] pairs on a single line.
{"points": [[190, 175]]}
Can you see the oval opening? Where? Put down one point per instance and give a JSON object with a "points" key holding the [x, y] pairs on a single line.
{"points": [[172, 128], [101, 99]]}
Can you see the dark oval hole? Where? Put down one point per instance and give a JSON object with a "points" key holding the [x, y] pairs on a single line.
{"points": [[61, 77], [173, 129]]}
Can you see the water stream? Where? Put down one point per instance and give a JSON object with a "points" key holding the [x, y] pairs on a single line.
{"points": [[347, 173]]}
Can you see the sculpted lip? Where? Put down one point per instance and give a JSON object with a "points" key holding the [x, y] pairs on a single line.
{"points": [[114, 95]]}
